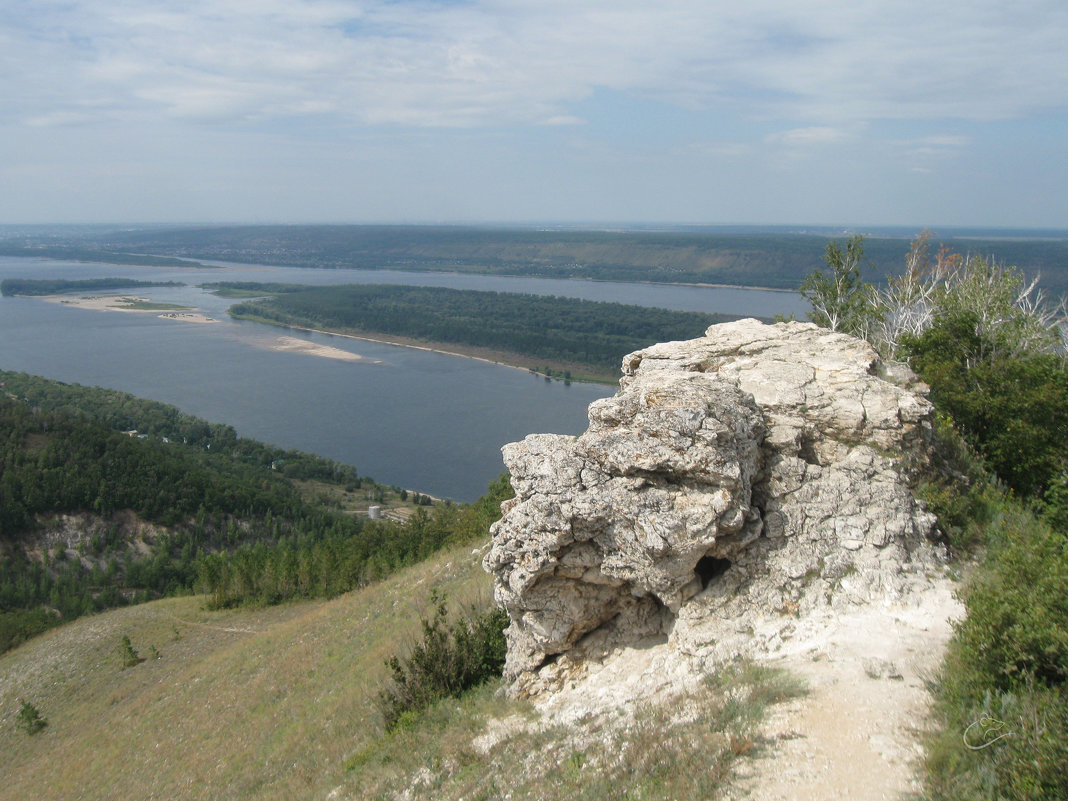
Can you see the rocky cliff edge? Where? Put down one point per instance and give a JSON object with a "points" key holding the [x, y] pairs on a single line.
{"points": [[739, 490]]}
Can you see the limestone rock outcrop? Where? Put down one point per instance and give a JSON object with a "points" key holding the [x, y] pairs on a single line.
{"points": [[738, 486]]}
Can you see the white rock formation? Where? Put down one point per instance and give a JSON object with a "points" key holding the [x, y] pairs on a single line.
{"points": [[737, 488]]}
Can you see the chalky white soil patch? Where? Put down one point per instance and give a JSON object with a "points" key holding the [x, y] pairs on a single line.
{"points": [[856, 734]]}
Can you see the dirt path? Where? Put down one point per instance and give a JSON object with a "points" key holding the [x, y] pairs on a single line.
{"points": [[855, 735]]}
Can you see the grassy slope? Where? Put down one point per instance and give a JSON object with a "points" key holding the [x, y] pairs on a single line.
{"points": [[278, 703], [245, 704]]}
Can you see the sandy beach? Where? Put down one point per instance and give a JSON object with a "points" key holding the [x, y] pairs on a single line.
{"points": [[125, 303], [186, 317], [294, 345]]}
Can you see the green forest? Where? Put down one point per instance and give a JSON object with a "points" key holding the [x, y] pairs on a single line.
{"points": [[742, 256], [86, 253], [540, 328], [229, 519], [29, 286]]}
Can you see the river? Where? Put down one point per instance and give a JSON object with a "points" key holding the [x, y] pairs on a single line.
{"points": [[425, 421]]}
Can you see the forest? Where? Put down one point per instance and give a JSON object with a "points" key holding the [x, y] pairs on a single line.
{"points": [[737, 256], [227, 517], [31, 286], [563, 330], [81, 252]]}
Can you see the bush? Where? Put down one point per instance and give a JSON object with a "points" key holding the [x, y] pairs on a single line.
{"points": [[1002, 698], [1011, 746], [1016, 630], [1010, 408], [29, 719], [448, 661], [128, 654], [840, 300]]}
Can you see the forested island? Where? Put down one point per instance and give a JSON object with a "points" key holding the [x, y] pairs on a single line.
{"points": [[167, 504], [559, 336], [56, 286]]}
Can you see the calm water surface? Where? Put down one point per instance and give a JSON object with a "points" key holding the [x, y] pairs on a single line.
{"points": [[426, 421]]}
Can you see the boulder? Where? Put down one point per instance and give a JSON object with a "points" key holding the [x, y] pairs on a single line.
{"points": [[735, 486]]}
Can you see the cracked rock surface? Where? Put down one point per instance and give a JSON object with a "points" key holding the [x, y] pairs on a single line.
{"points": [[736, 491]]}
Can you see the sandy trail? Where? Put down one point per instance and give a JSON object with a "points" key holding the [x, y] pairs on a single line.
{"points": [[856, 734]]}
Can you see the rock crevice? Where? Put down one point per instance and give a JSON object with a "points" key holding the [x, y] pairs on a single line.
{"points": [[736, 484]]}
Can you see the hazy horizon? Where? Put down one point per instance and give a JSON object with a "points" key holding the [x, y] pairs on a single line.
{"points": [[829, 230]]}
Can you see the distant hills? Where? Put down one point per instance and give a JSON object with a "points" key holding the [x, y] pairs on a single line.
{"points": [[739, 256]]}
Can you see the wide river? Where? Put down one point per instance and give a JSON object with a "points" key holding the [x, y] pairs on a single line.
{"points": [[426, 421]]}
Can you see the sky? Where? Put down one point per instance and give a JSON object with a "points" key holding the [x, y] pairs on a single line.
{"points": [[881, 112]]}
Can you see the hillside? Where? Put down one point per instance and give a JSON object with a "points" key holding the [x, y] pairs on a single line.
{"points": [[278, 703], [254, 704], [107, 499]]}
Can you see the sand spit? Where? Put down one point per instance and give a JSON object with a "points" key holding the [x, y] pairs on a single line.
{"points": [[294, 345], [125, 303], [187, 317]]}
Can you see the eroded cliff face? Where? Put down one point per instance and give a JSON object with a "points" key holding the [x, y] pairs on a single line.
{"points": [[737, 487]]}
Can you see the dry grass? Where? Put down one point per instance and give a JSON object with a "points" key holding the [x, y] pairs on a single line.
{"points": [[482, 747], [250, 704], [278, 703]]}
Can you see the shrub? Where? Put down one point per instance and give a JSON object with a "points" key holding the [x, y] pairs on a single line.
{"points": [[1011, 746], [450, 660], [1002, 697], [127, 654], [1011, 409], [1017, 625], [29, 719], [840, 300]]}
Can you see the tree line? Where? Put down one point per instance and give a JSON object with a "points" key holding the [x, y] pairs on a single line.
{"points": [[41, 286], [565, 330], [740, 257], [121, 411], [227, 524]]}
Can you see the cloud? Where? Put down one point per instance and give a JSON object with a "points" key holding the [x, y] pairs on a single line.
{"points": [[814, 135], [934, 145], [564, 119], [493, 62]]}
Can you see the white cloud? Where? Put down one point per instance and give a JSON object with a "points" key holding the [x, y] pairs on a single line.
{"points": [[813, 135], [564, 119], [491, 61], [934, 145], [582, 109]]}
